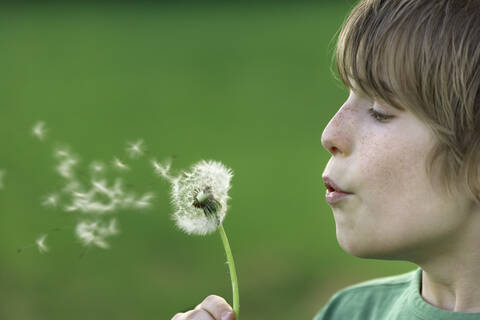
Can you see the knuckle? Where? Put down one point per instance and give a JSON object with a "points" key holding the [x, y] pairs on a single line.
{"points": [[214, 299], [191, 315], [177, 316]]}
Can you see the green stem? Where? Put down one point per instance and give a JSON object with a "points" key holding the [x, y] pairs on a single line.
{"points": [[233, 273]]}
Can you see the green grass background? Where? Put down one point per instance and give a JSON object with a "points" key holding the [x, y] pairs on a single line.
{"points": [[247, 84]]}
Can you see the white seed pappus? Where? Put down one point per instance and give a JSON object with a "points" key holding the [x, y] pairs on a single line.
{"points": [[205, 176]]}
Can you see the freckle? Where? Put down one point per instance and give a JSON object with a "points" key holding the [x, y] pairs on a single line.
{"points": [[338, 119]]}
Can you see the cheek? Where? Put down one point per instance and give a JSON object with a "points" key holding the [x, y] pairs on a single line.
{"points": [[391, 171], [394, 194]]}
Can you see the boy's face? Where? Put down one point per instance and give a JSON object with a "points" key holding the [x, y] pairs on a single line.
{"points": [[394, 212]]}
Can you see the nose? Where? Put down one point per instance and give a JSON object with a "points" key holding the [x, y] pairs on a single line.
{"points": [[336, 137]]}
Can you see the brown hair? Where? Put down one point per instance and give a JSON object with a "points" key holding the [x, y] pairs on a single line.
{"points": [[423, 56]]}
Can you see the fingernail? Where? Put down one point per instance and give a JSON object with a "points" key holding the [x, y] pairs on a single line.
{"points": [[228, 316]]}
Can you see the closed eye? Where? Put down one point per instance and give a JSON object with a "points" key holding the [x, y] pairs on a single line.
{"points": [[378, 116]]}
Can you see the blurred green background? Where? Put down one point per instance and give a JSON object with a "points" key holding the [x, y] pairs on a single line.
{"points": [[247, 84]]}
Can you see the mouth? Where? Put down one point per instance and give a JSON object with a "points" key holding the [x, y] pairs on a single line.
{"points": [[334, 193], [332, 186]]}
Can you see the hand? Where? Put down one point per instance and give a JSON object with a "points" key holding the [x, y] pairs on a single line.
{"points": [[212, 308]]}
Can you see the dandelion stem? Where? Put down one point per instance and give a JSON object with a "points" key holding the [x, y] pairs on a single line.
{"points": [[233, 273]]}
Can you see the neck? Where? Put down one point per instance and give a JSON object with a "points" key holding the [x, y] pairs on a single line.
{"points": [[451, 276]]}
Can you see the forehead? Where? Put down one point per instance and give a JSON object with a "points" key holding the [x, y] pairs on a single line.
{"points": [[364, 90]]}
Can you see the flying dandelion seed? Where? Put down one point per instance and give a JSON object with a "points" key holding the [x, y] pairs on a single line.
{"points": [[39, 130], [67, 163], [119, 165], [42, 247], [94, 233], [144, 201], [97, 167], [72, 186], [96, 197], [163, 169], [99, 199], [135, 149], [51, 200], [2, 177], [104, 199]]}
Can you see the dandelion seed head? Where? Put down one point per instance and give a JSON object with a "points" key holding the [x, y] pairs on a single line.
{"points": [[200, 196], [42, 247], [39, 130], [135, 149]]}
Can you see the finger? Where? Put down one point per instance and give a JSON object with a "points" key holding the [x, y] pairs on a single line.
{"points": [[177, 316], [217, 307], [197, 314]]}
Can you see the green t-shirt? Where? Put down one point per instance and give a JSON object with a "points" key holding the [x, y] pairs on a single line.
{"points": [[390, 298]]}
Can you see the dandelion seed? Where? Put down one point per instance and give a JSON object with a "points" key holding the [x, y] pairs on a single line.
{"points": [[136, 149], [104, 199], [62, 153], [119, 164], [42, 247], [163, 169], [144, 201], [2, 176], [200, 196], [99, 199], [72, 186], [51, 200], [97, 167], [94, 233], [67, 162], [39, 130]]}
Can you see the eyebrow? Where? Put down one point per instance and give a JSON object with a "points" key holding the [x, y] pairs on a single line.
{"points": [[360, 93]]}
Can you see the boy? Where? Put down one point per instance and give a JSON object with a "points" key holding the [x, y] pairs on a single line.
{"points": [[404, 177]]}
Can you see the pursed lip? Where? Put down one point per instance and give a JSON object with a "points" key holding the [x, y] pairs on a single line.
{"points": [[332, 186]]}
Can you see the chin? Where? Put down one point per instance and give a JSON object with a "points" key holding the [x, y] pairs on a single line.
{"points": [[365, 250]]}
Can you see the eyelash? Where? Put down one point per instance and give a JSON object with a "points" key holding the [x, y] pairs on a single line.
{"points": [[380, 117]]}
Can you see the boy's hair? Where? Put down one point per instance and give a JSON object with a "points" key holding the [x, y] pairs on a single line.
{"points": [[423, 56]]}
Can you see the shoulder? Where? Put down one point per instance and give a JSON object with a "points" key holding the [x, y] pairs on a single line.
{"points": [[367, 298], [387, 282]]}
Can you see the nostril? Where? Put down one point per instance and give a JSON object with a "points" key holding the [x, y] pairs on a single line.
{"points": [[333, 150]]}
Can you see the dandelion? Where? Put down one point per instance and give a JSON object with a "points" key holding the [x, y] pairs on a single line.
{"points": [[135, 149], [39, 130], [94, 233], [42, 247], [119, 164], [199, 197]]}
